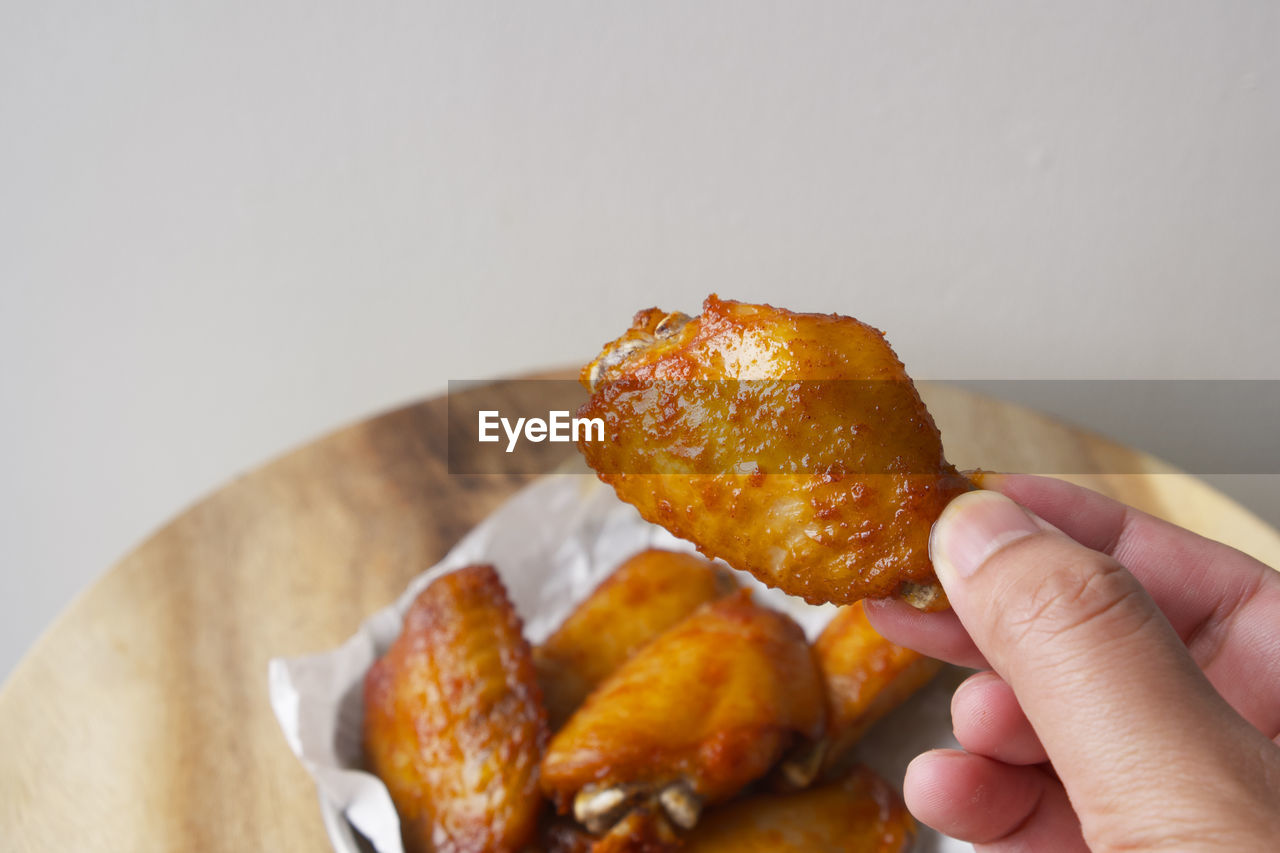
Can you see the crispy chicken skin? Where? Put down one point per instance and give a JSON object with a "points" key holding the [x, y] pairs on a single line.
{"points": [[857, 814], [694, 716], [866, 677], [454, 723], [644, 596], [792, 446]]}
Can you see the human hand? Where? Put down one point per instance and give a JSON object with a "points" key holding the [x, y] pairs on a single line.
{"points": [[1130, 692]]}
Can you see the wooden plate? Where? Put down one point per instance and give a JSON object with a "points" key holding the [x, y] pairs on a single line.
{"points": [[140, 720]]}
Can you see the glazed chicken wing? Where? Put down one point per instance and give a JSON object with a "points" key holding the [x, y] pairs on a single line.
{"points": [[858, 814], [644, 596], [792, 446], [694, 716], [453, 720], [866, 677]]}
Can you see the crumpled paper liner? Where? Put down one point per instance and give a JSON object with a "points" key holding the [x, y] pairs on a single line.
{"points": [[552, 543]]}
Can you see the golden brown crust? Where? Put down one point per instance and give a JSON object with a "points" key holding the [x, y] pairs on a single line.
{"points": [[649, 593], [792, 446], [453, 719], [866, 677], [857, 814], [710, 704]]}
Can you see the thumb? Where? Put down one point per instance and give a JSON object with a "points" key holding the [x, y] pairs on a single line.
{"points": [[1105, 681]]}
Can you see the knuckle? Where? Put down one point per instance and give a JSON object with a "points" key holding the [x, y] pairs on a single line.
{"points": [[1071, 592]]}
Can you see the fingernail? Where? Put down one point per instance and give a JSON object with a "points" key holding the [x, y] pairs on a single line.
{"points": [[972, 528]]}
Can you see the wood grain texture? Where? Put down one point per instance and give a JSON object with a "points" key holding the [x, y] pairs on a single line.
{"points": [[140, 720]]}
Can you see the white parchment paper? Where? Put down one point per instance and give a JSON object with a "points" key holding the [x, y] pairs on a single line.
{"points": [[552, 543]]}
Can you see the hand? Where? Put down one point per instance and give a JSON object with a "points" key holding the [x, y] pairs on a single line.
{"points": [[1130, 692]]}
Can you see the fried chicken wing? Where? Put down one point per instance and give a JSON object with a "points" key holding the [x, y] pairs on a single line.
{"points": [[644, 596], [866, 677], [454, 723], [858, 814], [695, 715], [792, 446]]}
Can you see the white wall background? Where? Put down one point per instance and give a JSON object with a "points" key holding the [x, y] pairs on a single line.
{"points": [[227, 227]]}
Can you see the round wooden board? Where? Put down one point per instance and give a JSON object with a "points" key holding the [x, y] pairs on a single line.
{"points": [[140, 720]]}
